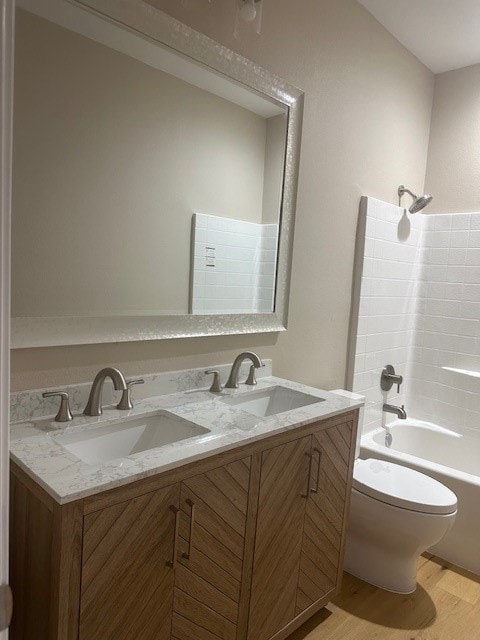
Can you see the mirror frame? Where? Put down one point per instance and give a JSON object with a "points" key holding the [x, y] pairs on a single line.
{"points": [[153, 24]]}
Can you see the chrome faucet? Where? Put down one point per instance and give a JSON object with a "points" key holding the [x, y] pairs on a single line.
{"points": [[232, 382], [398, 411], [94, 404]]}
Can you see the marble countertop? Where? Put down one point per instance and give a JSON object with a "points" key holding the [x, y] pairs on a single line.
{"points": [[66, 478]]}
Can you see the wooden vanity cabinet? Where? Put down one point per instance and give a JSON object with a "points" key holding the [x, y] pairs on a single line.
{"points": [[321, 560], [209, 568], [127, 577], [244, 545], [300, 528], [167, 564], [284, 482]]}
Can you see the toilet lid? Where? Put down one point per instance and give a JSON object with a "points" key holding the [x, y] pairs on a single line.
{"points": [[402, 487]]}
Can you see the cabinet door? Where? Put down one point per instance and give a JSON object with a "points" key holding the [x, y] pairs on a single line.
{"points": [[127, 576], [284, 484], [211, 551], [325, 514]]}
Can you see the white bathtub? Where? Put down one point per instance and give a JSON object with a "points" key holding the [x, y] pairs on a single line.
{"points": [[450, 457]]}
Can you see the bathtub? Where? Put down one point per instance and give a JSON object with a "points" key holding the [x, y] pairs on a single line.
{"points": [[452, 458]]}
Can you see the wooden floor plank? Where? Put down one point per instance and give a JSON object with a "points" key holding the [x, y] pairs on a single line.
{"points": [[445, 606], [458, 583]]}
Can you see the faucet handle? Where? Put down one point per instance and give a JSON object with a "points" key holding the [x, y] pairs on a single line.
{"points": [[251, 374], [389, 378], [216, 385], [64, 414], [125, 403], [130, 383]]}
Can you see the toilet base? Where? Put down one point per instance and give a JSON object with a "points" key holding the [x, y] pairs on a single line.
{"points": [[385, 542], [398, 575]]}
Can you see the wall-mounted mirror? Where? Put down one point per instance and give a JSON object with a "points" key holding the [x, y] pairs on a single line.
{"points": [[154, 179]]}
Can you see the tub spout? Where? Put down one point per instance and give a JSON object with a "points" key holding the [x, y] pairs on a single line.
{"points": [[398, 411]]}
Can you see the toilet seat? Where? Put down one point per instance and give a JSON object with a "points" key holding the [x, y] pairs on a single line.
{"points": [[402, 487]]}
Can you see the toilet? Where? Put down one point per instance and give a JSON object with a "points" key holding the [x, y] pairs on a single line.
{"points": [[396, 513]]}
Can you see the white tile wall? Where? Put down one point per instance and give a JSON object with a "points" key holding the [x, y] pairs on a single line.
{"points": [[234, 266], [388, 301], [420, 311], [448, 323]]}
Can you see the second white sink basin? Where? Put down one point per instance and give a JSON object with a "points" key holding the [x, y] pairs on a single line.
{"points": [[97, 444], [268, 402]]}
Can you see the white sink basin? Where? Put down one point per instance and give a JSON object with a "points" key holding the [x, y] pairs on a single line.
{"points": [[97, 444], [268, 402]]}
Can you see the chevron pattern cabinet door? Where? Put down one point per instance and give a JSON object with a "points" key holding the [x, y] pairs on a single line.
{"points": [[278, 543], [325, 512], [211, 553], [127, 587]]}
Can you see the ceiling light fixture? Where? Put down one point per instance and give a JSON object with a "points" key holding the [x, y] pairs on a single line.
{"points": [[248, 18]]}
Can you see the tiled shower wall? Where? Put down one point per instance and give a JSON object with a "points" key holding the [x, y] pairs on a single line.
{"points": [[233, 266], [420, 311], [448, 326], [387, 303]]}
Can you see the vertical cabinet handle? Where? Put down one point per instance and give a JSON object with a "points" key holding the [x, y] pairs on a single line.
{"points": [[171, 563], [319, 453], [192, 525], [310, 458]]}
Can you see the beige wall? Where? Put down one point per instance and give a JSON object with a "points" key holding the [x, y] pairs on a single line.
{"points": [[111, 159], [273, 173], [453, 169], [366, 128]]}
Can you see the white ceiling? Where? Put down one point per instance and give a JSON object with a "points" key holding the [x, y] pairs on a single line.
{"points": [[443, 34]]}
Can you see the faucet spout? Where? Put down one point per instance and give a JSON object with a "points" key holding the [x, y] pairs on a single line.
{"points": [[94, 404], [232, 382], [398, 411]]}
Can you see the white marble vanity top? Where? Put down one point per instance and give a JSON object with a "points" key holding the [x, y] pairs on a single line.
{"points": [[66, 478]]}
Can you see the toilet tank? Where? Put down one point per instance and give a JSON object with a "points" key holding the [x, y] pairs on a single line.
{"points": [[354, 396]]}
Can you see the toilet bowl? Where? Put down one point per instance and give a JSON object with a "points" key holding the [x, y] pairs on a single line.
{"points": [[396, 513]]}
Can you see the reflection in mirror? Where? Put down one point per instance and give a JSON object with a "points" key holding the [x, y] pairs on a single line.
{"points": [[139, 187], [233, 265]]}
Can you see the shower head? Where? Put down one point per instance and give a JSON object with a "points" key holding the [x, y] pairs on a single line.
{"points": [[419, 202]]}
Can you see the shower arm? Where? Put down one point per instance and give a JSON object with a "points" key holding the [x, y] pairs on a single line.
{"points": [[401, 191]]}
